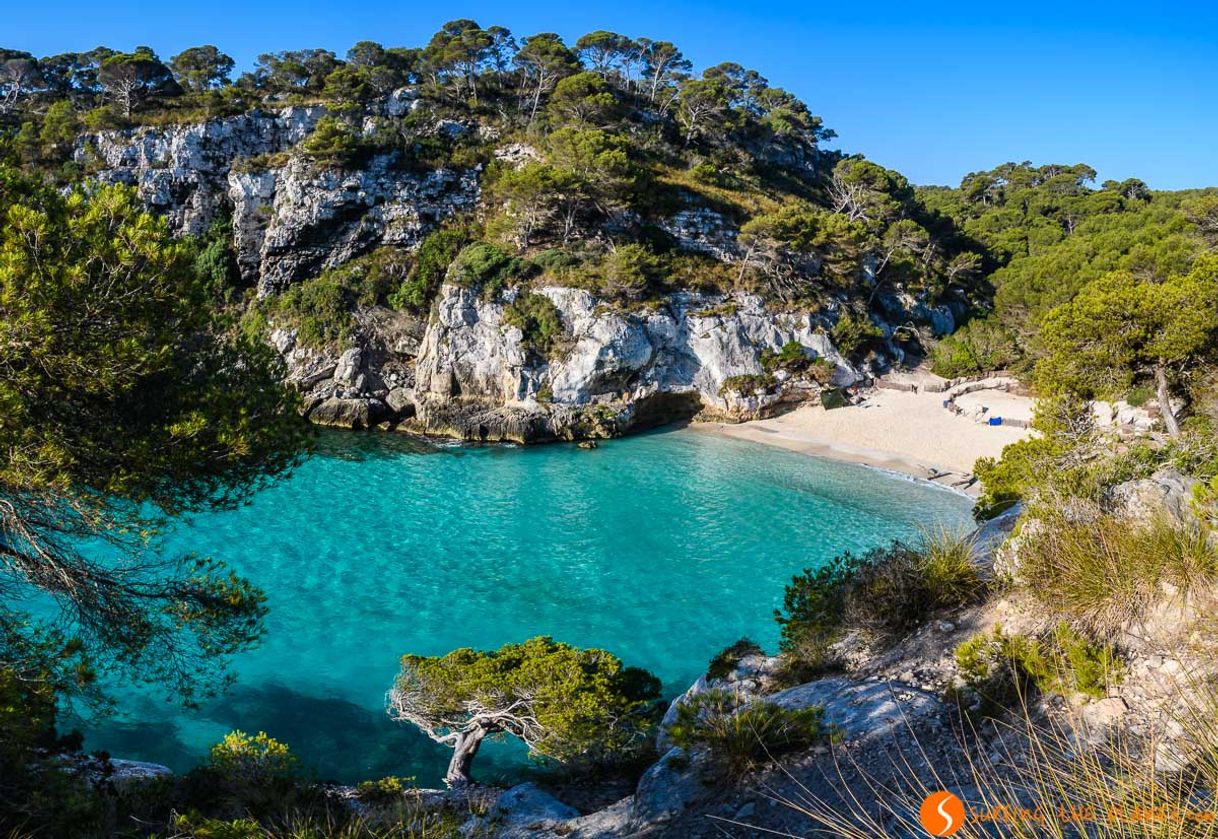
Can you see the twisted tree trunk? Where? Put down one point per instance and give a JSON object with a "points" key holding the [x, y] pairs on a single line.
{"points": [[1169, 418], [464, 752]]}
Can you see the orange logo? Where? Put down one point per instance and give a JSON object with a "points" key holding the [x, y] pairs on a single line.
{"points": [[942, 814]]}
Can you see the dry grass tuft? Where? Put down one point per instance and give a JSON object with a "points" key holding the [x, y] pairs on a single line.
{"points": [[1104, 573]]}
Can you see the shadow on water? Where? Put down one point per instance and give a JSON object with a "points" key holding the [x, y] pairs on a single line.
{"points": [[323, 731]]}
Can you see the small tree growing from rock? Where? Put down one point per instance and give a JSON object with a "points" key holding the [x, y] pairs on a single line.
{"points": [[565, 703]]}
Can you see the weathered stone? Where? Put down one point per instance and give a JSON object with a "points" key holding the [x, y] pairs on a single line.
{"points": [[347, 370], [666, 789], [291, 219], [1168, 491], [349, 413], [613, 360], [523, 812]]}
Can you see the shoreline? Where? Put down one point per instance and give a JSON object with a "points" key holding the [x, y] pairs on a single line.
{"points": [[907, 434]]}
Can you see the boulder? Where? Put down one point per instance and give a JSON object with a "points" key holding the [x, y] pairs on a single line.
{"points": [[667, 788], [1167, 492], [347, 369], [523, 812], [862, 711], [348, 413]]}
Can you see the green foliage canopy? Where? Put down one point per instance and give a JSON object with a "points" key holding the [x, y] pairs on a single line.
{"points": [[121, 402], [565, 703]]}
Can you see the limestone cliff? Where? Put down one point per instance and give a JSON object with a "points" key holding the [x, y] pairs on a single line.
{"points": [[291, 219], [460, 369]]}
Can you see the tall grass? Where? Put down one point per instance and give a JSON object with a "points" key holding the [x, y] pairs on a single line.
{"points": [[1042, 780], [1103, 572], [742, 738]]}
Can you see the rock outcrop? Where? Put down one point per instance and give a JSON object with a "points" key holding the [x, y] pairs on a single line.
{"points": [[619, 370], [291, 219], [462, 370], [296, 221]]}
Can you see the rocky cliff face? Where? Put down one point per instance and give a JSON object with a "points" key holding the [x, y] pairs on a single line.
{"points": [[467, 373], [627, 369], [291, 219], [462, 370]]}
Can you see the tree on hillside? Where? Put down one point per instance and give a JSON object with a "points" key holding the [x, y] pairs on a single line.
{"points": [[608, 52], [531, 195], [582, 99], [867, 192], [1121, 329], [564, 703], [665, 66], [543, 60], [129, 79], [701, 105], [293, 71], [19, 75], [201, 68], [121, 404], [800, 247], [593, 170], [383, 70], [457, 52]]}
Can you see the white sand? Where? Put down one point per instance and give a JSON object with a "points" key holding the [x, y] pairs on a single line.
{"points": [[911, 433]]}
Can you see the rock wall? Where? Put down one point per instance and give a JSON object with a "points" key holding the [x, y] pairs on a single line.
{"points": [[291, 219], [462, 371], [466, 373], [619, 369]]}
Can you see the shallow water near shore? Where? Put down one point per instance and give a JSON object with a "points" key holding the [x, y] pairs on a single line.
{"points": [[662, 548]]}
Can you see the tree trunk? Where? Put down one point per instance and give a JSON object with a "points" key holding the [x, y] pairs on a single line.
{"points": [[1169, 418], [463, 755]]}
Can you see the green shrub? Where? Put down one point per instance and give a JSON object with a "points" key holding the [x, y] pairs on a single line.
{"points": [[742, 738], [251, 762], [700, 272], [195, 826], [980, 346], [1070, 459], [812, 613], [1139, 396], [385, 789], [794, 358], [488, 268], [216, 261], [556, 261], [748, 384], [725, 661], [437, 251], [1103, 572], [262, 162], [333, 143], [885, 591], [321, 308], [538, 319], [853, 333], [1005, 669], [791, 357], [630, 272]]}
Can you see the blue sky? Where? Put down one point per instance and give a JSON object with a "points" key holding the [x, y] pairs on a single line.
{"points": [[933, 90]]}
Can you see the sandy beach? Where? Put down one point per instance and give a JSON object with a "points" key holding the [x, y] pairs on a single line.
{"points": [[910, 433]]}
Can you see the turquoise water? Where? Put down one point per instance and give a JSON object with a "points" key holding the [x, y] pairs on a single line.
{"points": [[663, 548]]}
